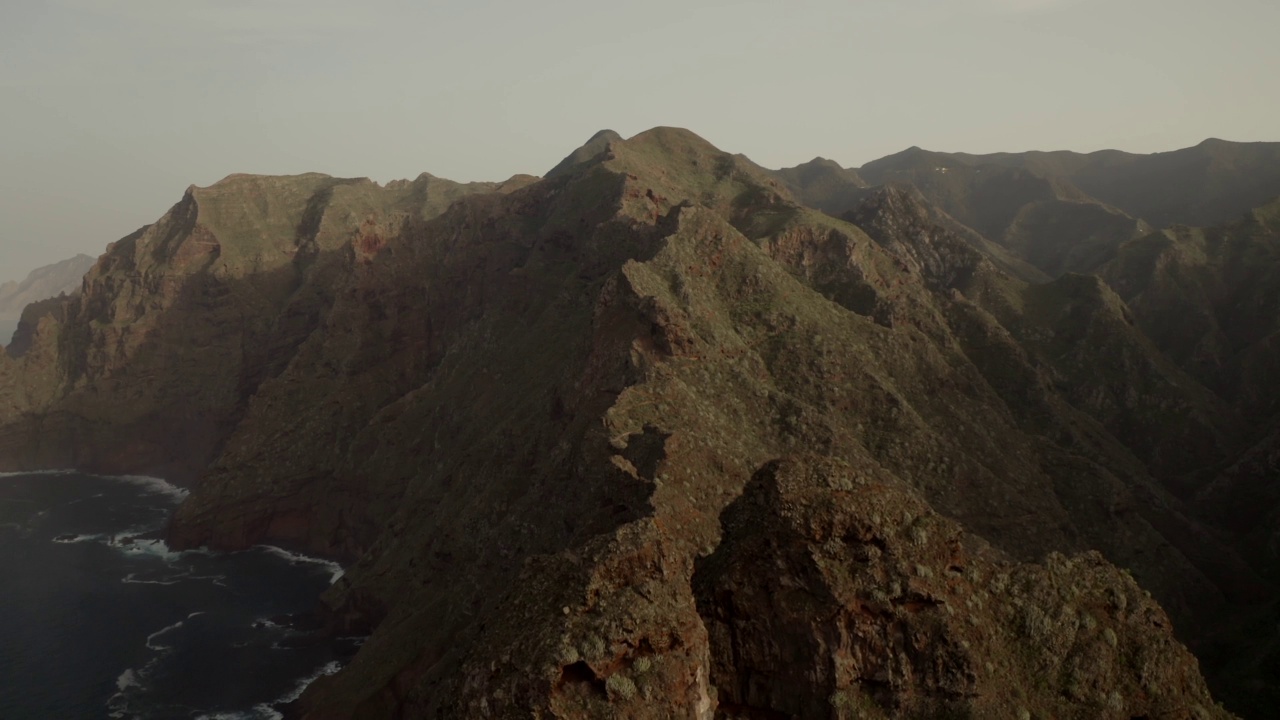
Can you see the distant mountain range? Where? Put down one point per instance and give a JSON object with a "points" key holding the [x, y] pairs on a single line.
{"points": [[669, 434], [1062, 211], [45, 282], [42, 283]]}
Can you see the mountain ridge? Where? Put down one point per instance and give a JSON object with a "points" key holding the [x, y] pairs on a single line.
{"points": [[537, 418]]}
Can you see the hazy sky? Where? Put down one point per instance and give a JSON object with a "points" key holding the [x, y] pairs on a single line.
{"points": [[110, 108]]}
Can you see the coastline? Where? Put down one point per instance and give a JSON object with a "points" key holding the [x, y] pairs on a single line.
{"points": [[141, 541]]}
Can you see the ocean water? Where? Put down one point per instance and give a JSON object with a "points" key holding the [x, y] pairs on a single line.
{"points": [[99, 619]]}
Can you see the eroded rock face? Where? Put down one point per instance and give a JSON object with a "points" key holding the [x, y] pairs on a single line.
{"points": [[149, 369], [836, 592]]}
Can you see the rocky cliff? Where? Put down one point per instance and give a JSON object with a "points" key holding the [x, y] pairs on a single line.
{"points": [[151, 366], [652, 438]]}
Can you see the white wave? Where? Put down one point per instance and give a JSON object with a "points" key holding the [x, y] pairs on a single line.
{"points": [[152, 637], [131, 579], [130, 543], [335, 570], [155, 485], [71, 539], [4, 475], [128, 679], [86, 499], [304, 683], [259, 712], [127, 535], [267, 711]]}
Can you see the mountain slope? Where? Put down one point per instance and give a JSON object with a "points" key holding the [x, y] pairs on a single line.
{"points": [[1208, 184], [678, 340], [1043, 220], [1209, 298], [824, 185], [566, 432], [149, 368], [1068, 212]]}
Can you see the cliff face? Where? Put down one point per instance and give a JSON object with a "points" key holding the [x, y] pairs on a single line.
{"points": [[651, 437], [150, 367]]}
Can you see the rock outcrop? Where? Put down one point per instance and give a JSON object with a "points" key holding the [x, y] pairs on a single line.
{"points": [[884, 609]]}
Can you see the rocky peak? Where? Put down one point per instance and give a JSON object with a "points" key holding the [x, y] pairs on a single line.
{"points": [[892, 208], [593, 147], [969, 634], [912, 159], [824, 184]]}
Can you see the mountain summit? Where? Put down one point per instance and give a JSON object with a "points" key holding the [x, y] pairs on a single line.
{"points": [[591, 148]]}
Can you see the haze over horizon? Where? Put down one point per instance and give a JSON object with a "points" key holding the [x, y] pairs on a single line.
{"points": [[112, 108]]}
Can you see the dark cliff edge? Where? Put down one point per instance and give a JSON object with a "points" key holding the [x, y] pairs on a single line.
{"points": [[651, 437]]}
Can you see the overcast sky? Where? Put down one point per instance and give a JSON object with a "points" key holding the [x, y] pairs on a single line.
{"points": [[110, 108]]}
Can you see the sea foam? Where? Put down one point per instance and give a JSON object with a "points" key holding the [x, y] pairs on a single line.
{"points": [[304, 683], [335, 570], [267, 711], [4, 475], [151, 639], [127, 679], [154, 485]]}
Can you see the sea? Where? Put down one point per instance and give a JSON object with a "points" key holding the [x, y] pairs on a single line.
{"points": [[100, 619]]}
